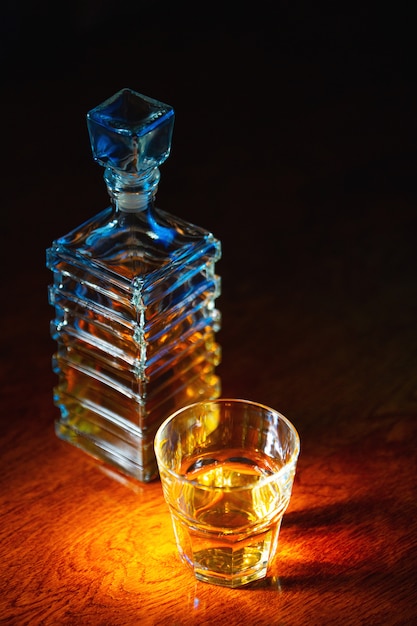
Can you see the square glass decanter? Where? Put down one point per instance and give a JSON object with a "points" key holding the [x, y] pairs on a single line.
{"points": [[134, 292]]}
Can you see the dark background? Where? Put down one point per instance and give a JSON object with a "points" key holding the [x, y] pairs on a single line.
{"points": [[294, 142]]}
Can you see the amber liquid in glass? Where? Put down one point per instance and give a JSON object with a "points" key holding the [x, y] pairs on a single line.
{"points": [[236, 501]]}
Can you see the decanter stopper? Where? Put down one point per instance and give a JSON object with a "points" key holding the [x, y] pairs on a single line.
{"points": [[131, 133]]}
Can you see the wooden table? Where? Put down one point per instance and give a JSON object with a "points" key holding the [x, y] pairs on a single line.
{"points": [[319, 321]]}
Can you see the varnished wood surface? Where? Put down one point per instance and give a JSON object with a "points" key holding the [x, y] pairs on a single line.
{"points": [[313, 195]]}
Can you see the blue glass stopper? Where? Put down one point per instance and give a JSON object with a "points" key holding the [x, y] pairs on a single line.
{"points": [[130, 132]]}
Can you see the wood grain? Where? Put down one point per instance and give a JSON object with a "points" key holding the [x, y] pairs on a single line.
{"points": [[77, 547]]}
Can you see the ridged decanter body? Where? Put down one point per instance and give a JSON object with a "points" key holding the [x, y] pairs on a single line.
{"points": [[134, 294]]}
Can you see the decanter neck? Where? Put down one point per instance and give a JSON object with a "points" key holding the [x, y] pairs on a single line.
{"points": [[132, 192]]}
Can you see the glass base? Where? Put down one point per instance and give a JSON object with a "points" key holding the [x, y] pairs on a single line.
{"points": [[232, 583]]}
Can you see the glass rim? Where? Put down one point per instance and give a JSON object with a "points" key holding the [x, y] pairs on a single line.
{"points": [[264, 480]]}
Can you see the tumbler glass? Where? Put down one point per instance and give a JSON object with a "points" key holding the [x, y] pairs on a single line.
{"points": [[227, 468]]}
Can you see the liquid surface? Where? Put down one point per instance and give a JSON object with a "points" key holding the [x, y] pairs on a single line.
{"points": [[228, 489]]}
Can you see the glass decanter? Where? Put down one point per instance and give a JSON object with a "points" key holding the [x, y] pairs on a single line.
{"points": [[134, 295]]}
